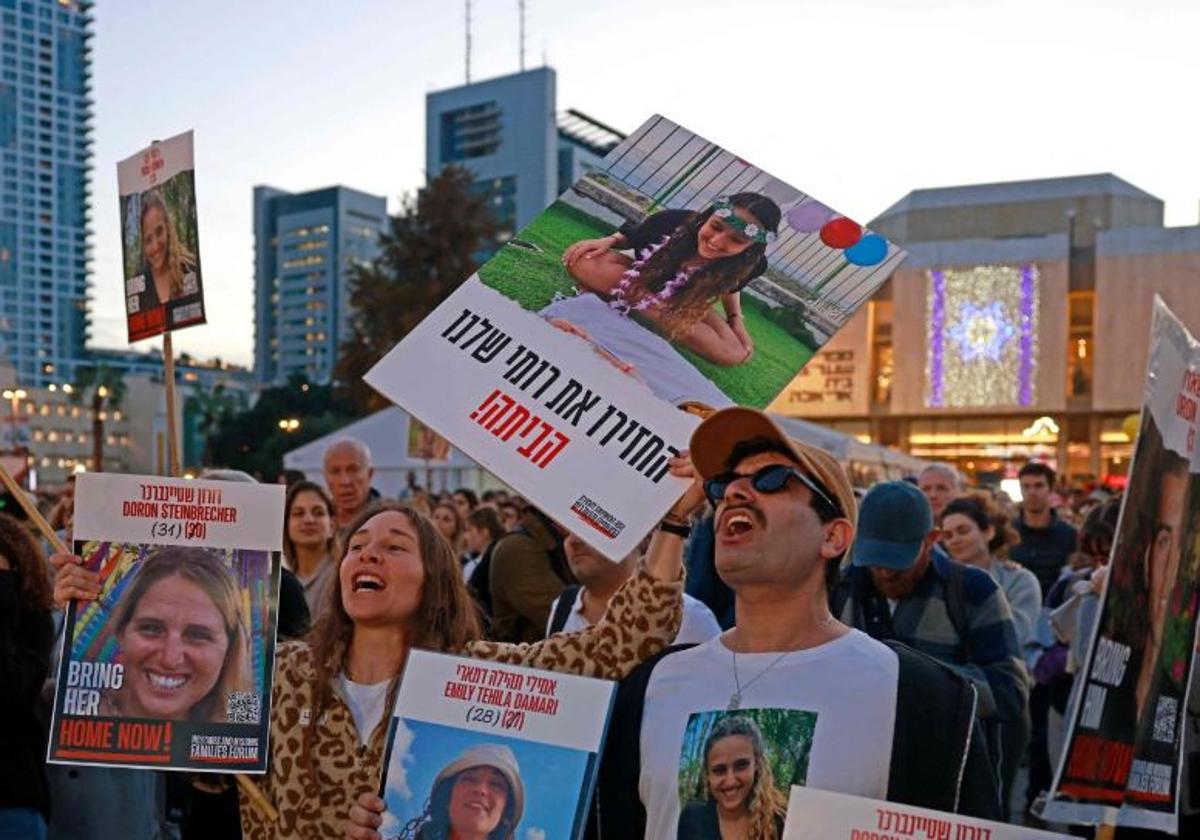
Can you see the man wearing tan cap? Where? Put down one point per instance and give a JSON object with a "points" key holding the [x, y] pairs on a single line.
{"points": [[853, 715]]}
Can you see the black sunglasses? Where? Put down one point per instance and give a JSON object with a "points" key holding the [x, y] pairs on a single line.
{"points": [[771, 479]]}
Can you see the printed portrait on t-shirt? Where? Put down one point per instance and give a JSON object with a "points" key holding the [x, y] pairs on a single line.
{"points": [[736, 768]]}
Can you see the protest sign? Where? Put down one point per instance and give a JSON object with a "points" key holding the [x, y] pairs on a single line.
{"points": [[171, 666], [820, 815], [159, 239], [1123, 757], [675, 276], [530, 738], [424, 444]]}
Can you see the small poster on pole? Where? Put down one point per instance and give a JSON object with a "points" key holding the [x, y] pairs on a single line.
{"points": [[1123, 760], [820, 815], [159, 239], [171, 666], [677, 277], [477, 746]]}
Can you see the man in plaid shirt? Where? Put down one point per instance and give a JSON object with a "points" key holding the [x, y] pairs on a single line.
{"points": [[901, 585]]}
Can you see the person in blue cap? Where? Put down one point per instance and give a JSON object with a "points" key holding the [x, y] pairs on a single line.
{"points": [[900, 585]]}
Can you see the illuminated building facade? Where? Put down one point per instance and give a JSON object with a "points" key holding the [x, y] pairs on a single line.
{"points": [[1017, 328]]}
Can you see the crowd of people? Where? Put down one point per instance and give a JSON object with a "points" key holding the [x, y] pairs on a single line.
{"points": [[924, 636]]}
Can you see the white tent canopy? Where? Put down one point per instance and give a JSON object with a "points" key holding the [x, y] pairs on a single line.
{"points": [[386, 434]]}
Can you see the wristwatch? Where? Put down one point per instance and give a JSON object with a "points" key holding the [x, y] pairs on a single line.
{"points": [[679, 529]]}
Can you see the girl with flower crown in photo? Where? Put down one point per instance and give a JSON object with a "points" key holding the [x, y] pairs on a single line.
{"points": [[684, 262]]}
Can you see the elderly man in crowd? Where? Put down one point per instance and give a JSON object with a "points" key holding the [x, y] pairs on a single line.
{"points": [[348, 473], [941, 484]]}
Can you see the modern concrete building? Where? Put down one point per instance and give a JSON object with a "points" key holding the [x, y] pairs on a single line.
{"points": [[507, 132], [45, 158], [306, 246], [1017, 328]]}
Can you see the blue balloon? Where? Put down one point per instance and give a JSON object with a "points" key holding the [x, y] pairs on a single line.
{"points": [[870, 250]]}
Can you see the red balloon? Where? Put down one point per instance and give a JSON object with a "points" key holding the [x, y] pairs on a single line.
{"points": [[840, 233]]}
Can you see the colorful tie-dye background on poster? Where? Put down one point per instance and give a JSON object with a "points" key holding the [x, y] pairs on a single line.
{"points": [[118, 564]]}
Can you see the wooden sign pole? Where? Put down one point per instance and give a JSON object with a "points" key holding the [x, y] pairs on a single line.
{"points": [[31, 511], [173, 469], [173, 466]]}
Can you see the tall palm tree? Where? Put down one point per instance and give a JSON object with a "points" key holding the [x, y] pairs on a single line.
{"points": [[104, 388], [211, 408]]}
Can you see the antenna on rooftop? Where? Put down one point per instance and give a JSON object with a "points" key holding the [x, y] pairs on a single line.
{"points": [[468, 41], [521, 9]]}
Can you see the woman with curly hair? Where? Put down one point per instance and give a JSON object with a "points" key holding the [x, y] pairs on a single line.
{"points": [[738, 797], [26, 631], [399, 586], [478, 796], [684, 262], [970, 525]]}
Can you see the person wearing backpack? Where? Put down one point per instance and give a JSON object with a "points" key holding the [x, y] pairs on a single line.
{"points": [[902, 586], [834, 708], [581, 605]]}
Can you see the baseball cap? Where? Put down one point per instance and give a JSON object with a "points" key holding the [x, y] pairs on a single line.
{"points": [[714, 440], [893, 521]]}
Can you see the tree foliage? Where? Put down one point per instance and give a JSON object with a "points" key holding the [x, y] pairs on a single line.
{"points": [[103, 388], [252, 440], [427, 253], [211, 407]]}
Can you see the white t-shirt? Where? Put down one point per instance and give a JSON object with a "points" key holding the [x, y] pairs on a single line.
{"points": [[366, 703], [838, 705], [698, 623]]}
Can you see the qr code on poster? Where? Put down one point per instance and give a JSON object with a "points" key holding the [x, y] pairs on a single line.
{"points": [[243, 707], [1166, 715]]}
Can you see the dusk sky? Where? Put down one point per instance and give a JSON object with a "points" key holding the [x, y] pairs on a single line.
{"points": [[855, 101]]}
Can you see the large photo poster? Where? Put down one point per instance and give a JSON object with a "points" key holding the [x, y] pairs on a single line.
{"points": [[676, 276], [1124, 748], [160, 242], [171, 666], [480, 749]]}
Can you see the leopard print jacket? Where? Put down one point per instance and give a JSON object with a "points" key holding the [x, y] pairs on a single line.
{"points": [[313, 799]]}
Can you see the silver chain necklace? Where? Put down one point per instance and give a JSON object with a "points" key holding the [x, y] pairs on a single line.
{"points": [[735, 699]]}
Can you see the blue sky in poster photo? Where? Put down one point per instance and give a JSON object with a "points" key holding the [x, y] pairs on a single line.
{"points": [[421, 750], [855, 101]]}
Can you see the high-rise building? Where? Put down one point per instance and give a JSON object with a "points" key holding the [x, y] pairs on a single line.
{"points": [[506, 132], [45, 158], [306, 246]]}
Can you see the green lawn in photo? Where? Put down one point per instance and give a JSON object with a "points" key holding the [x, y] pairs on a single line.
{"points": [[532, 277]]}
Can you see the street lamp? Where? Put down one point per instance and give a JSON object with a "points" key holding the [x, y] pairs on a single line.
{"points": [[14, 396], [289, 424]]}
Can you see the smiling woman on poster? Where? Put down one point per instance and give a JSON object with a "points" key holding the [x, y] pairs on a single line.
{"points": [[168, 266], [739, 798], [684, 262], [181, 639], [478, 796]]}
